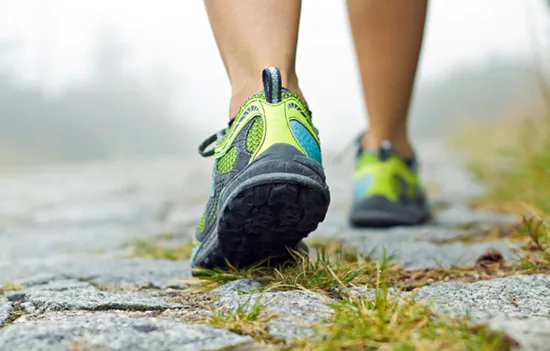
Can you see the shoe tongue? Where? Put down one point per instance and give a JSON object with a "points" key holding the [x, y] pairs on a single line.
{"points": [[385, 151]]}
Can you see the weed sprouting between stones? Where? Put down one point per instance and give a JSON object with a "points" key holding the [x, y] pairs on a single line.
{"points": [[323, 270], [538, 249], [385, 322], [16, 312], [245, 319], [359, 322], [340, 265]]}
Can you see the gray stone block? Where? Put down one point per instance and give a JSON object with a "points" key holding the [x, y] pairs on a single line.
{"points": [[513, 297], [238, 286], [295, 311], [93, 300], [518, 305], [59, 285], [115, 331], [99, 269]]}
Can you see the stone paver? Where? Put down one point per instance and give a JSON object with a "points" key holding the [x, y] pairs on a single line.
{"points": [[92, 299], [64, 233], [238, 287], [518, 305], [104, 270], [531, 333], [59, 285], [294, 311], [516, 297], [114, 331]]}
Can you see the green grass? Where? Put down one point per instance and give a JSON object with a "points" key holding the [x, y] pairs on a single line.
{"points": [[246, 319], [538, 249], [359, 322], [513, 161], [339, 265], [16, 312], [158, 250], [335, 247], [325, 269], [7, 286], [394, 323], [382, 322]]}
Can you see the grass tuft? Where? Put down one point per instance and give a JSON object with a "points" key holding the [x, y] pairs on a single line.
{"points": [[246, 319], [336, 248], [157, 250], [385, 322], [334, 266], [16, 312], [322, 271], [538, 249], [513, 161], [7, 286], [325, 271], [382, 322]]}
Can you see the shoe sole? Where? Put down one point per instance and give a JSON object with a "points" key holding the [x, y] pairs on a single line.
{"points": [[379, 212], [267, 210]]}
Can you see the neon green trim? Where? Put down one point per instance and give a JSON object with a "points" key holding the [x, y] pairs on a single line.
{"points": [[276, 121], [238, 125], [385, 176], [277, 128]]}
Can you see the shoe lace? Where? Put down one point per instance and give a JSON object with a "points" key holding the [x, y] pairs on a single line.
{"points": [[203, 147], [352, 144], [206, 143]]}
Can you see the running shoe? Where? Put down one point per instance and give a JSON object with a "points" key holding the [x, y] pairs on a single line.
{"points": [[268, 184], [387, 191]]}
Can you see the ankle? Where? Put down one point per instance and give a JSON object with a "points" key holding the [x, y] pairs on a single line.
{"points": [[400, 143], [243, 88], [239, 96]]}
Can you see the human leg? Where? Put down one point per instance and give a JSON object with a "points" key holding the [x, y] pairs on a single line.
{"points": [[252, 35], [388, 36], [269, 188]]}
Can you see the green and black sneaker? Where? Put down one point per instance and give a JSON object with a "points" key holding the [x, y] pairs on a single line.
{"points": [[268, 188], [387, 190]]}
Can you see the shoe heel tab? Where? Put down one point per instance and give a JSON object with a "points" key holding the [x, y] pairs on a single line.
{"points": [[271, 78], [385, 151]]}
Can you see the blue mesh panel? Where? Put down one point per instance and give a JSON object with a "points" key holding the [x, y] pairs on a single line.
{"points": [[306, 140], [361, 186]]}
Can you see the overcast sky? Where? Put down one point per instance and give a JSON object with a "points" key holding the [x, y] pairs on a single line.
{"points": [[57, 37]]}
